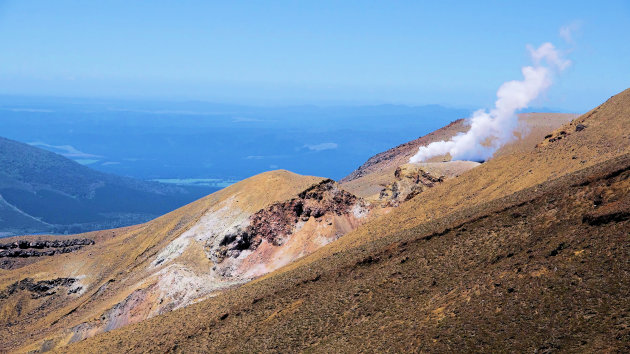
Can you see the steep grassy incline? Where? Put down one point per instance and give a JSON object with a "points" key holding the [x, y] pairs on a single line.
{"points": [[543, 269], [606, 135], [539, 235]]}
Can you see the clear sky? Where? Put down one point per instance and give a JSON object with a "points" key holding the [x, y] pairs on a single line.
{"points": [[320, 52]]}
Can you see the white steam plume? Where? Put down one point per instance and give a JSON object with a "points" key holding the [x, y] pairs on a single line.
{"points": [[491, 130]]}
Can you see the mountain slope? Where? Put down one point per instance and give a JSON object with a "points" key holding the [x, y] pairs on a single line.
{"points": [[367, 181], [605, 137], [280, 228], [128, 275], [465, 238], [546, 261], [41, 191]]}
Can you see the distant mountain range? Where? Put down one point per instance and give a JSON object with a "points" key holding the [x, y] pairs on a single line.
{"points": [[43, 192]]}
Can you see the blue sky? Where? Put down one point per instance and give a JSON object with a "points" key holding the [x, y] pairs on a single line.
{"points": [[318, 52]]}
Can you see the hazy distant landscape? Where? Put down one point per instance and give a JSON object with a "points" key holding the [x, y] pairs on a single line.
{"points": [[180, 141], [44, 192]]}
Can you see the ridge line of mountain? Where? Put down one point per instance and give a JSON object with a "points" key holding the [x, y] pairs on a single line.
{"points": [[362, 255]]}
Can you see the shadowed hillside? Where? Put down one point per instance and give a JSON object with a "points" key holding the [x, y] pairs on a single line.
{"points": [[41, 191]]}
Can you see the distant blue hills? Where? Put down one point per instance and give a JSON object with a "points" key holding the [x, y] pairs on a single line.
{"points": [[43, 192]]}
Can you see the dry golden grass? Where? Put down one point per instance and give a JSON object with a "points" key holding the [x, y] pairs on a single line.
{"points": [[540, 270], [606, 136], [118, 263]]}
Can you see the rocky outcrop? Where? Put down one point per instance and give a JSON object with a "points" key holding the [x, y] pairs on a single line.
{"points": [[24, 249], [40, 288], [278, 221], [410, 180], [561, 134], [23, 244]]}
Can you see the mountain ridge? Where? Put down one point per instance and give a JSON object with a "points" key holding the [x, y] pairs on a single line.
{"points": [[280, 311]]}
